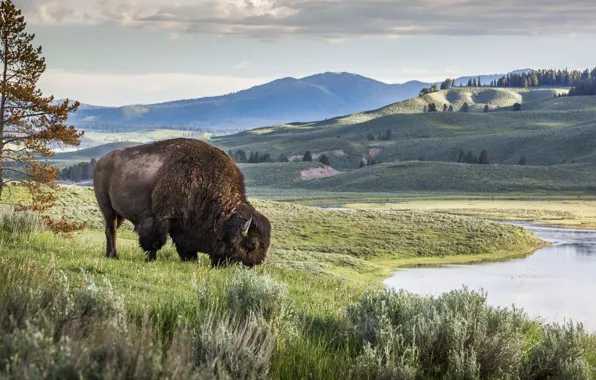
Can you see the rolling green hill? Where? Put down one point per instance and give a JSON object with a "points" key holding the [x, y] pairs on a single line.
{"points": [[416, 176], [549, 131]]}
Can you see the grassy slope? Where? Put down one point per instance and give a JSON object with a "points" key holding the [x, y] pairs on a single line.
{"points": [[326, 258], [453, 177], [571, 213], [549, 131]]}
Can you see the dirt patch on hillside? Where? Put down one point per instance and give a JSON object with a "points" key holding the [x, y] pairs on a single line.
{"points": [[314, 173], [374, 152]]}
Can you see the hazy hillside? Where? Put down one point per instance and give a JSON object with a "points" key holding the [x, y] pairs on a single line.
{"points": [[549, 131], [94, 152], [284, 100]]}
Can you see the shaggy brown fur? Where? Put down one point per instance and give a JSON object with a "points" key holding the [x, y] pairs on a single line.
{"points": [[185, 188]]}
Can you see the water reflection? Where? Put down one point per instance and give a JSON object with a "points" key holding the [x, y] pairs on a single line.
{"points": [[557, 283]]}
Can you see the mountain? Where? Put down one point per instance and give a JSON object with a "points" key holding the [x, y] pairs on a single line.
{"points": [[284, 100]]}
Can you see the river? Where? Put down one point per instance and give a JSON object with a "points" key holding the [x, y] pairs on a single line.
{"points": [[556, 283]]}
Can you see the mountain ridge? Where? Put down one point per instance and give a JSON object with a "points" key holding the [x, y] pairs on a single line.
{"points": [[314, 97]]}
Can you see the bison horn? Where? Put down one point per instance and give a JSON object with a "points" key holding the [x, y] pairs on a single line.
{"points": [[245, 228]]}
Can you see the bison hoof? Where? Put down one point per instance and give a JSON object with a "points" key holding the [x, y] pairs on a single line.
{"points": [[113, 256]]}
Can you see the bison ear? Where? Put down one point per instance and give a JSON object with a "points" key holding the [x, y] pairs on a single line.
{"points": [[246, 227]]}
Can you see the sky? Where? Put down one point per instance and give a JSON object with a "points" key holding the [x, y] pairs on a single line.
{"points": [[120, 52]]}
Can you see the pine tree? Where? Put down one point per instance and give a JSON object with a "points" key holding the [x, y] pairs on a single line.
{"points": [[517, 107], [478, 83], [370, 136], [486, 108], [523, 160], [450, 108], [266, 158], [471, 158], [444, 107], [307, 157], [324, 160], [362, 164], [77, 173], [27, 118], [283, 158], [465, 108], [483, 159], [462, 156]]}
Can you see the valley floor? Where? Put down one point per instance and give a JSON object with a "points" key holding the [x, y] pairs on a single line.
{"points": [[317, 301]]}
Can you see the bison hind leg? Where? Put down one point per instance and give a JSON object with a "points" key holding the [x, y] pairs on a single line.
{"points": [[153, 235]]}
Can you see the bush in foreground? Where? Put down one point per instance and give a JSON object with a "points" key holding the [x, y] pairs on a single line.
{"points": [[458, 336]]}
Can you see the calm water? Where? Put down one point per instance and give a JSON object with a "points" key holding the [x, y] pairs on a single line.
{"points": [[557, 283]]}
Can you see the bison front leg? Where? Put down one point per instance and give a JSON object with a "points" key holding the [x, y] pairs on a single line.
{"points": [[152, 236]]}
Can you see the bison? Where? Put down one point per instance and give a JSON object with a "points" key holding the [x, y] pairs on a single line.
{"points": [[184, 188]]}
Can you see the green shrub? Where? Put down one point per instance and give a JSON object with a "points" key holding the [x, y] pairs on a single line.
{"points": [[234, 349], [250, 294], [459, 336], [13, 222]]}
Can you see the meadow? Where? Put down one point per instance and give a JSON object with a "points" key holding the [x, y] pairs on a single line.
{"points": [[316, 309]]}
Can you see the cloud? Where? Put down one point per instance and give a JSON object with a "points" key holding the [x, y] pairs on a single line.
{"points": [[330, 19], [118, 90], [242, 65]]}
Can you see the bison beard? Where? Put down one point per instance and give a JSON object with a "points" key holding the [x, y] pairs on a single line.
{"points": [[186, 189]]}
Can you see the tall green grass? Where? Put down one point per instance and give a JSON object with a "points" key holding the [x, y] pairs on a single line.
{"points": [[67, 314]]}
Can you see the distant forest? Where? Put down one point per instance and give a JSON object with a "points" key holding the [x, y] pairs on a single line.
{"points": [[581, 82], [83, 171]]}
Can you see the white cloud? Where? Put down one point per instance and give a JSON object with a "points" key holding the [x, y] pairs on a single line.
{"points": [[242, 65], [118, 90], [329, 19]]}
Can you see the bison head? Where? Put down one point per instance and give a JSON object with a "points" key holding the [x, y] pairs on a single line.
{"points": [[246, 239]]}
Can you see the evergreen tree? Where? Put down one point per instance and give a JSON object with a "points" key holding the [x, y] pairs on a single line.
{"points": [[28, 119], [307, 157], [388, 135], [478, 82], [486, 108], [421, 158], [370, 136], [517, 107], [266, 158], [324, 160], [474, 82], [362, 164], [241, 156], [372, 161], [462, 156], [77, 173], [471, 158], [483, 159], [523, 160], [425, 108], [469, 82], [444, 107], [450, 108], [283, 158], [465, 108]]}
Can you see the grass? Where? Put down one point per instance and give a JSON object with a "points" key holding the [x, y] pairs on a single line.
{"points": [[570, 212], [293, 317], [427, 177]]}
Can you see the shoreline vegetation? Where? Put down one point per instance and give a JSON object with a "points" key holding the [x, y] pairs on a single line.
{"points": [[316, 309]]}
